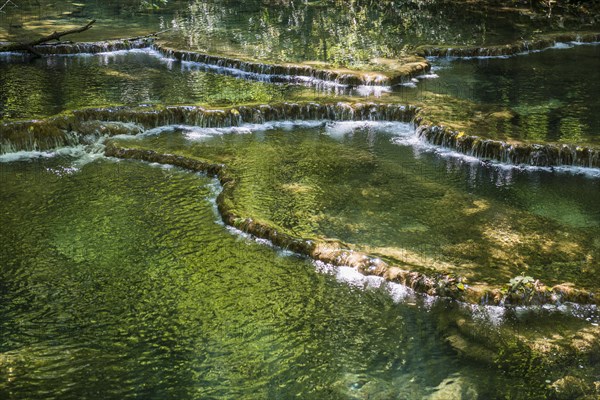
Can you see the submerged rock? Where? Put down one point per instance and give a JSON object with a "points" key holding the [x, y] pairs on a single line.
{"points": [[454, 388]]}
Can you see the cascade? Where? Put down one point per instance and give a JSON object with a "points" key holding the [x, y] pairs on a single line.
{"points": [[520, 47], [539, 155], [58, 131]]}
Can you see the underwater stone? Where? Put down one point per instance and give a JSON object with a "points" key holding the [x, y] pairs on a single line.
{"points": [[454, 388], [570, 387], [338, 253]]}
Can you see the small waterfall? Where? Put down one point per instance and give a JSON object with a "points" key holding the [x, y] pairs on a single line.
{"points": [[283, 73], [58, 132], [208, 118], [54, 132], [539, 155], [31, 143], [295, 73], [87, 126], [65, 48], [69, 130], [520, 47]]}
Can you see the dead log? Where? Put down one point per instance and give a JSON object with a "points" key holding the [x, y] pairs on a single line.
{"points": [[29, 46]]}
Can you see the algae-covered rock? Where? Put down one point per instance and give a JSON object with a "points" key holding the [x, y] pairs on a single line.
{"points": [[571, 387]]}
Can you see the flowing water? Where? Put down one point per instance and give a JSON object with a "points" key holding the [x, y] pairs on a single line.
{"points": [[118, 280], [57, 84], [374, 185]]}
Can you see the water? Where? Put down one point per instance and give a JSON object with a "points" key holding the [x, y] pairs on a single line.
{"points": [[489, 97], [61, 83], [548, 96], [372, 185], [114, 19], [350, 35], [117, 282]]}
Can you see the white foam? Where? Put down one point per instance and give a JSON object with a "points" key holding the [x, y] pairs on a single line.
{"points": [[159, 130], [372, 90], [555, 46], [74, 151], [428, 76], [197, 133], [425, 147], [342, 128], [561, 45], [400, 293], [351, 277], [492, 315], [409, 84], [273, 78]]}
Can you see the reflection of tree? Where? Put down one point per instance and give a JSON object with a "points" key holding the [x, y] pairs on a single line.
{"points": [[350, 32]]}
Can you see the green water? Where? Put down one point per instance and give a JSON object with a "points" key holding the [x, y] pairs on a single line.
{"points": [[117, 282], [549, 96], [51, 85], [28, 19], [540, 97], [352, 182]]}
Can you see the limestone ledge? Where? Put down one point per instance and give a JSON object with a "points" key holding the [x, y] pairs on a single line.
{"points": [[338, 253], [392, 71], [522, 46], [389, 71], [74, 127]]}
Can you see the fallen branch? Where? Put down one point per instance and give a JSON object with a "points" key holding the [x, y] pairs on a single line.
{"points": [[28, 46]]}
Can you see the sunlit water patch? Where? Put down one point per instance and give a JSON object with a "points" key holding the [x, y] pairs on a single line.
{"points": [[361, 183]]}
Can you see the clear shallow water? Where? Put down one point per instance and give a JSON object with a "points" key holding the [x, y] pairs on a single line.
{"points": [[114, 18], [371, 185], [54, 84], [538, 97], [118, 283], [547, 96]]}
